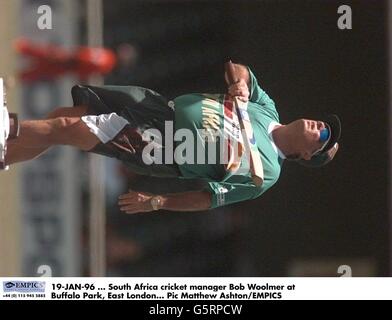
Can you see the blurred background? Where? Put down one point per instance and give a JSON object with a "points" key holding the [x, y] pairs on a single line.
{"points": [[310, 223]]}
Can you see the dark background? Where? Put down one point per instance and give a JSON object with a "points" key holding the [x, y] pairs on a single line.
{"points": [[309, 67]]}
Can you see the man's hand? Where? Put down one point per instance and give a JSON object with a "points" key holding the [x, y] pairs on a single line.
{"points": [[240, 90], [135, 201]]}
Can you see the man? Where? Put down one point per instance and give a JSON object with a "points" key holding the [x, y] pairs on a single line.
{"points": [[113, 121]]}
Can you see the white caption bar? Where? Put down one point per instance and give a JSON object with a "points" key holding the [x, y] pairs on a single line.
{"points": [[196, 288]]}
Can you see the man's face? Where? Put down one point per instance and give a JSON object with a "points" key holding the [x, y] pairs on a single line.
{"points": [[305, 137]]}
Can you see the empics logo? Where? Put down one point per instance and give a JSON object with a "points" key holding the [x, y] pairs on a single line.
{"points": [[9, 285], [24, 286]]}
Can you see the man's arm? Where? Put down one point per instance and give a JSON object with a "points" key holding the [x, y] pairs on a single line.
{"points": [[134, 201], [241, 73], [240, 87]]}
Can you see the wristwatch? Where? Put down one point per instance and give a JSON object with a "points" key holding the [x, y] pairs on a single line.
{"points": [[156, 203]]}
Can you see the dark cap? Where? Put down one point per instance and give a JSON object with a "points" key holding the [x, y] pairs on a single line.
{"points": [[327, 153]]}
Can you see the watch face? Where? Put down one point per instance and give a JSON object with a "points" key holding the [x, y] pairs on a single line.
{"points": [[155, 203]]}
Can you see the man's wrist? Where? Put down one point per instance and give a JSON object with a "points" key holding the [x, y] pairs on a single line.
{"points": [[157, 202]]}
